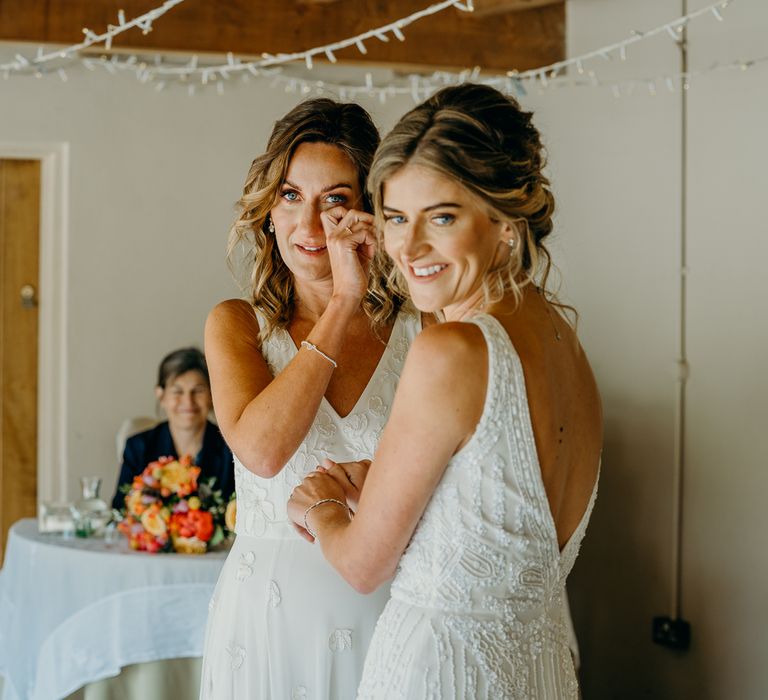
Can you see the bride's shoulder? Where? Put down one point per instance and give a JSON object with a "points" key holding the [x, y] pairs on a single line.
{"points": [[450, 348], [444, 376]]}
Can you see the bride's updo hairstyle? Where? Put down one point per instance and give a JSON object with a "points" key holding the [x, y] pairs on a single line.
{"points": [[482, 139], [271, 287]]}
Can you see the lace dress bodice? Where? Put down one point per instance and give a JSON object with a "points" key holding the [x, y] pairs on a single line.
{"points": [[261, 503], [477, 600]]}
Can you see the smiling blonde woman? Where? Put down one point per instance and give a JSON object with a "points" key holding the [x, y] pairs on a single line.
{"points": [[496, 427]]}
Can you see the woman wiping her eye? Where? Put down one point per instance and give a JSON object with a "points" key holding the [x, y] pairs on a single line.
{"points": [[303, 369]]}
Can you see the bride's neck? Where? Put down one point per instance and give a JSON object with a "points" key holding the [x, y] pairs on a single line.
{"points": [[461, 311]]}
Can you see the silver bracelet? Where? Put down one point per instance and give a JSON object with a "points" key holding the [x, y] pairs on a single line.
{"points": [[319, 503], [311, 346]]}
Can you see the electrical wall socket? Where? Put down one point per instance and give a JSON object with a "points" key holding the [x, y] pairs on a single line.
{"points": [[674, 634]]}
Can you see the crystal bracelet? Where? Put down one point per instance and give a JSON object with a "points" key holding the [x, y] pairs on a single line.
{"points": [[311, 346], [319, 503]]}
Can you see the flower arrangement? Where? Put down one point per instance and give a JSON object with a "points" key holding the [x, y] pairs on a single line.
{"points": [[167, 510]]}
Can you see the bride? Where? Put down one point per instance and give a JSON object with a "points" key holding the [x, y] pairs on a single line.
{"points": [[484, 479]]}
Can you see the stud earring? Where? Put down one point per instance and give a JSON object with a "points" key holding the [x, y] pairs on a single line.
{"points": [[271, 225]]}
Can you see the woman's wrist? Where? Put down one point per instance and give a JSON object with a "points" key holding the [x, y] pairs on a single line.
{"points": [[330, 331], [321, 513], [346, 304]]}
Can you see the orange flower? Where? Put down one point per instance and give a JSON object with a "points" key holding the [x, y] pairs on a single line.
{"points": [[193, 523]]}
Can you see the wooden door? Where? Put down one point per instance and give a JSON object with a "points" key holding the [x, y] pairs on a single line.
{"points": [[19, 266]]}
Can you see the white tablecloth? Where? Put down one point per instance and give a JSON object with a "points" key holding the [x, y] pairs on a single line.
{"points": [[75, 611]]}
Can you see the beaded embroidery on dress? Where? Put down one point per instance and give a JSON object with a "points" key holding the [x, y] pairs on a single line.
{"points": [[478, 598], [282, 623]]}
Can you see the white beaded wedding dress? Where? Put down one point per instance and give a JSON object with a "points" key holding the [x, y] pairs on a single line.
{"points": [[477, 608], [283, 625]]}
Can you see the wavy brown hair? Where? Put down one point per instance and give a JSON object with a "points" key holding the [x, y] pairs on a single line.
{"points": [[270, 286], [481, 138]]}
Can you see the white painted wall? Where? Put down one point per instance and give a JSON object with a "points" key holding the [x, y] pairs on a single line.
{"points": [[616, 166], [152, 181]]}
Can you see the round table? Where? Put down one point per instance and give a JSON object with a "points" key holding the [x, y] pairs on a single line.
{"points": [[74, 611]]}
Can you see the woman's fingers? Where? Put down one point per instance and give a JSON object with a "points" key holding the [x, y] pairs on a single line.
{"points": [[296, 509], [352, 233], [361, 240], [350, 476], [316, 485], [357, 472], [342, 477], [331, 219], [302, 531], [342, 223], [354, 472], [341, 216]]}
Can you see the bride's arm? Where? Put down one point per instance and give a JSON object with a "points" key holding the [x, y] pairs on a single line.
{"points": [[438, 403], [264, 419]]}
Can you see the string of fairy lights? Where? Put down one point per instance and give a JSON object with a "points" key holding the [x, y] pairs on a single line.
{"points": [[195, 74], [37, 64], [205, 73]]}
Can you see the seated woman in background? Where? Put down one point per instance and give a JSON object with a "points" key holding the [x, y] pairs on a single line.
{"points": [[184, 393]]}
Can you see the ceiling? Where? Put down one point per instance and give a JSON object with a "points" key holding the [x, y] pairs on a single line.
{"points": [[499, 35]]}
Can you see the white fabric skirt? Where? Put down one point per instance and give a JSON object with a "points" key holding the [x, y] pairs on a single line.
{"points": [[284, 625]]}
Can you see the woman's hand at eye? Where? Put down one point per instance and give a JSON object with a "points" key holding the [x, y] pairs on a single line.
{"points": [[351, 241]]}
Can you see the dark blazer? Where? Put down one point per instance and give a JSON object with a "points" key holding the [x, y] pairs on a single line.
{"points": [[214, 459]]}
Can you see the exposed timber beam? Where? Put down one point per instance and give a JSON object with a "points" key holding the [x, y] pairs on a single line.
{"points": [[452, 39], [484, 8]]}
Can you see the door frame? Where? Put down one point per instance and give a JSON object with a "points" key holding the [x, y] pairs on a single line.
{"points": [[52, 385]]}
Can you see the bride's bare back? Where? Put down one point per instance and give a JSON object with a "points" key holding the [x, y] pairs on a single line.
{"points": [[564, 404]]}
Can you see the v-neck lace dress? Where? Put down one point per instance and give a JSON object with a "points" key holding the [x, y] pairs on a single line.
{"points": [[477, 602], [283, 625]]}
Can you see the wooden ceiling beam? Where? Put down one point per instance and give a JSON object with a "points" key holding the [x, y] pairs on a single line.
{"points": [[484, 8], [452, 39]]}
